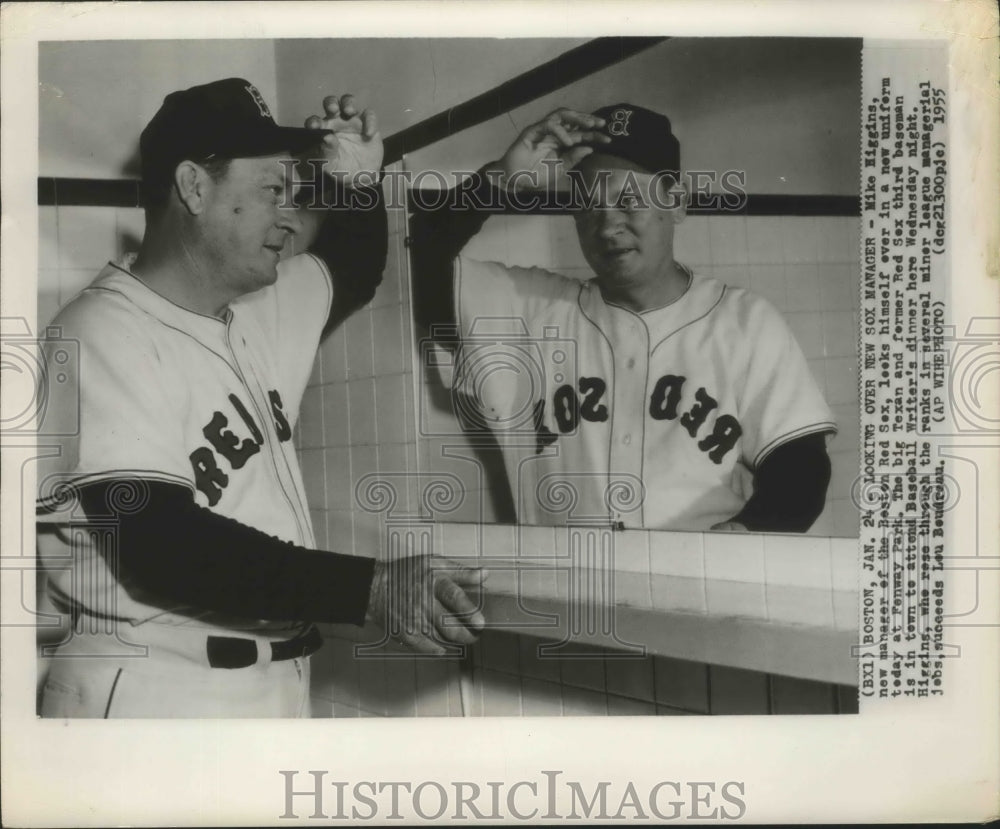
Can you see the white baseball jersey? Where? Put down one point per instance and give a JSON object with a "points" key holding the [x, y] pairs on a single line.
{"points": [[654, 419], [168, 394]]}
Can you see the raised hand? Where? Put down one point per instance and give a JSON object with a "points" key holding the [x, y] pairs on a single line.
{"points": [[421, 602], [353, 151], [565, 135]]}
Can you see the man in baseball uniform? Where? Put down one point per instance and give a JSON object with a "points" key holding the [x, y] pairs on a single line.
{"points": [[649, 395], [173, 518]]}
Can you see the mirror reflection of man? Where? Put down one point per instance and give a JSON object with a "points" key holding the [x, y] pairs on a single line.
{"points": [[194, 355], [690, 404]]}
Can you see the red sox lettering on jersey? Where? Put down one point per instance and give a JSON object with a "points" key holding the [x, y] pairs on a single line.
{"points": [[688, 398], [168, 394]]}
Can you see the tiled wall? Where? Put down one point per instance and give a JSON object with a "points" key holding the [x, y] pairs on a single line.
{"points": [[74, 243], [504, 675]]}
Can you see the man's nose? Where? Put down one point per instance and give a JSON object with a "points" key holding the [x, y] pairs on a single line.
{"points": [[610, 221], [288, 219]]}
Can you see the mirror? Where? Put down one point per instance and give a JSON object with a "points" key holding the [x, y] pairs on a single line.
{"points": [[521, 417]]}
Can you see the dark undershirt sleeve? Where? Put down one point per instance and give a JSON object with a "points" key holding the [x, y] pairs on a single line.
{"points": [[353, 242], [188, 555], [789, 487], [441, 225]]}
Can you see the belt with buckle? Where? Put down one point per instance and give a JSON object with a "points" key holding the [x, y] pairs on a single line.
{"points": [[232, 652]]}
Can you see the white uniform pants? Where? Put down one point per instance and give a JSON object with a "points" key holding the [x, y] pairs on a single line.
{"points": [[165, 683]]}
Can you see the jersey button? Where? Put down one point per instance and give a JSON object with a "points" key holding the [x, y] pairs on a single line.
{"points": [[630, 363], [627, 439]]}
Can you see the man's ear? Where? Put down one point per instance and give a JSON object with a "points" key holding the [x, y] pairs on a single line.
{"points": [[191, 183]]}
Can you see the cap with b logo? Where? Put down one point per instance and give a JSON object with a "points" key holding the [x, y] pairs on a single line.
{"points": [[641, 136], [222, 119]]}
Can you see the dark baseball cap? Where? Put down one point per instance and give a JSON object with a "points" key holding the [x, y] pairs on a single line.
{"points": [[222, 119], [641, 136]]}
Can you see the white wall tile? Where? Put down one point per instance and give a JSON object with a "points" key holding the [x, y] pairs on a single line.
{"points": [[336, 414], [627, 707], [461, 540], [339, 490], [48, 237], [333, 354], [734, 557], [433, 679], [360, 340], [565, 242], [361, 398], [741, 600], [501, 694], [691, 241], [840, 334], [833, 240], [318, 518], [130, 227], [390, 411], [736, 276], [841, 380], [340, 530], [845, 472], [87, 237], [316, 372], [677, 554], [846, 518], [678, 594], [847, 418], [845, 609], [528, 242], [391, 353], [310, 422], [499, 651], [807, 326], [802, 280], [799, 237], [314, 478], [765, 240], [535, 662], [845, 564], [631, 677], [47, 307], [838, 286], [681, 684], [631, 551], [768, 281], [392, 465], [799, 561], [540, 698], [728, 240], [799, 606], [583, 672]]}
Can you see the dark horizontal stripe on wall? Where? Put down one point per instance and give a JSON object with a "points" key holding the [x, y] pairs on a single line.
{"points": [[88, 192], [765, 205], [568, 67], [91, 192], [756, 205]]}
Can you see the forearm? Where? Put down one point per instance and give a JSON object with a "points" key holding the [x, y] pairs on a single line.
{"points": [[351, 239], [187, 555], [789, 487], [440, 226]]}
